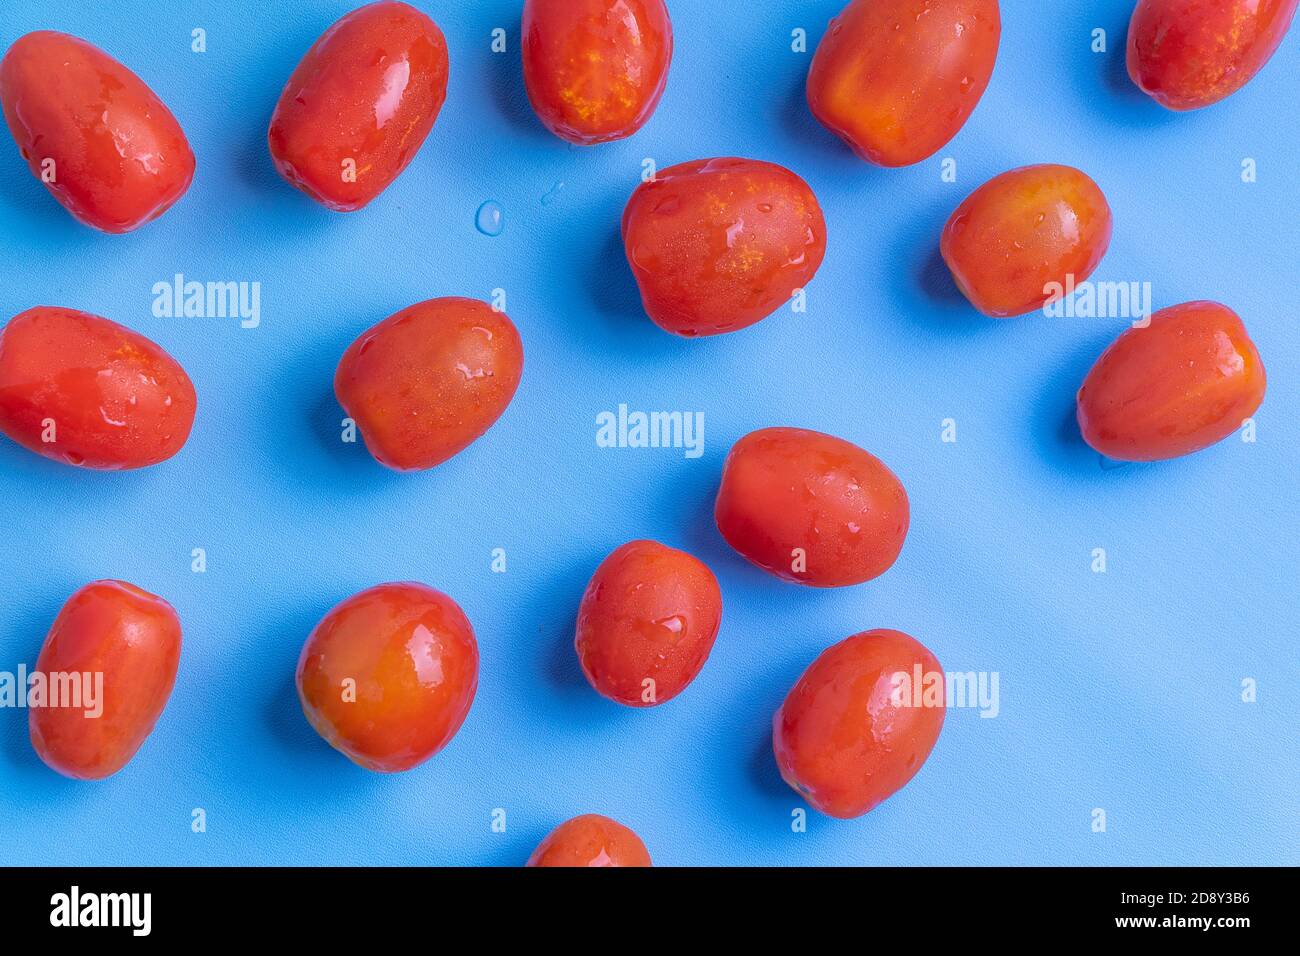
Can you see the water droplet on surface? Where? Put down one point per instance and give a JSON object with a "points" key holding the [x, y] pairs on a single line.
{"points": [[490, 220], [552, 194]]}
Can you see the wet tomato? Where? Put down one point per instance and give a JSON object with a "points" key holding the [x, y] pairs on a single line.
{"points": [[359, 105], [426, 382], [93, 133], [811, 508], [860, 722], [590, 840], [595, 69], [718, 244], [121, 646], [647, 623], [387, 677], [1180, 384], [897, 79], [86, 391], [1025, 237], [1187, 54]]}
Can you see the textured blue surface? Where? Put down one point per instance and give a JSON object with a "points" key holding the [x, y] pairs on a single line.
{"points": [[1119, 690]]}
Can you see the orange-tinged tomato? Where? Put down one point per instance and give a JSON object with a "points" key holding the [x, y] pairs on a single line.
{"points": [[1180, 384], [1187, 54], [93, 133], [387, 677], [122, 645], [897, 79], [426, 382], [590, 840], [1025, 237], [86, 391], [359, 105], [811, 508], [860, 722], [718, 244], [647, 622], [595, 69]]}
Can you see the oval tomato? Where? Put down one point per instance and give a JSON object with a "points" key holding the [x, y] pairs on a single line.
{"points": [[590, 840], [93, 133], [387, 677], [359, 105], [1187, 54], [122, 646], [857, 727], [595, 69], [1025, 237], [1180, 384], [811, 508], [86, 391], [718, 244], [897, 79], [647, 622], [426, 382]]}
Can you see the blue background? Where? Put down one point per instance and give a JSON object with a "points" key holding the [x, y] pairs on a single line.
{"points": [[1119, 690]]}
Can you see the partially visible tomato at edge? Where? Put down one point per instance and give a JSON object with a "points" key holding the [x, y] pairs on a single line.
{"points": [[590, 840]]}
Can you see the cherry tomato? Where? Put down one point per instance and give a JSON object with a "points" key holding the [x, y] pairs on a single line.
{"points": [[590, 840], [1017, 241], [99, 139], [718, 244], [387, 677], [1191, 53], [426, 382], [360, 104], [1184, 382], [595, 69], [811, 508], [897, 79], [860, 722], [86, 391], [647, 623], [122, 645]]}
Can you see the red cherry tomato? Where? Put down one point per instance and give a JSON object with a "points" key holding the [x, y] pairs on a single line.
{"points": [[718, 244], [1017, 241], [590, 840], [426, 382], [860, 722], [387, 677], [360, 104], [897, 79], [86, 391], [811, 508], [595, 69], [123, 646], [1191, 53], [647, 623], [1184, 382], [99, 139]]}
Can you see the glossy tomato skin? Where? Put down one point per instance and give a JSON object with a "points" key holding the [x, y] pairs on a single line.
{"points": [[852, 732], [590, 840], [99, 139], [426, 382], [651, 613], [1187, 54], [718, 244], [595, 69], [133, 639], [897, 79], [105, 396], [1014, 239], [408, 655], [359, 105], [811, 508], [1178, 385]]}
